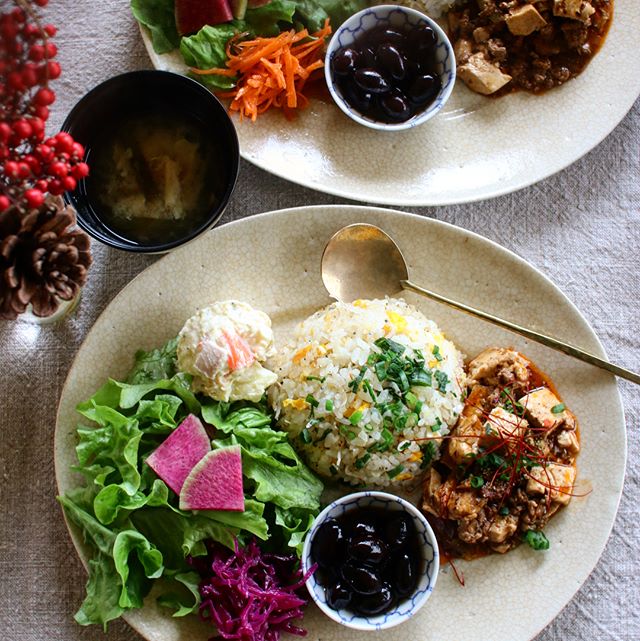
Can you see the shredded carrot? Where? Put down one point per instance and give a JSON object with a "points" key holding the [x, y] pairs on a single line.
{"points": [[271, 72]]}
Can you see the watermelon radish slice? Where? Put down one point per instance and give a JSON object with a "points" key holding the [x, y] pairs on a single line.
{"points": [[239, 8], [215, 483], [179, 452], [192, 15]]}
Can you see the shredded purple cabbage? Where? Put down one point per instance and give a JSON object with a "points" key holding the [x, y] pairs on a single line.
{"points": [[250, 595]]}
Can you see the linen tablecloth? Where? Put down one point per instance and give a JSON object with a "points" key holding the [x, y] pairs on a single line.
{"points": [[580, 227]]}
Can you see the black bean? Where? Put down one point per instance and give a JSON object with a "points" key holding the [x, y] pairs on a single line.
{"points": [[345, 61], [421, 40], [424, 89], [361, 100], [362, 580], [391, 60], [397, 529], [396, 105], [367, 549], [374, 603], [328, 544], [338, 596], [386, 35], [405, 574], [371, 80], [367, 57]]}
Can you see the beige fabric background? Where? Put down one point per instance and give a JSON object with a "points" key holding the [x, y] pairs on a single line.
{"points": [[580, 227]]}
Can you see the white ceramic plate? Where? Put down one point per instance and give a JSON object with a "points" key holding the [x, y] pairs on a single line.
{"points": [[475, 148], [272, 261]]}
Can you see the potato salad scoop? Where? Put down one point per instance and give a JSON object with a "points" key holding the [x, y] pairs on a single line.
{"points": [[362, 261]]}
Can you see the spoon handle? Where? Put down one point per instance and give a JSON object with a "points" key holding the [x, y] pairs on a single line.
{"points": [[548, 341]]}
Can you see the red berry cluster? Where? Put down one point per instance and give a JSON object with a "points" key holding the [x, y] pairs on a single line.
{"points": [[31, 165]]}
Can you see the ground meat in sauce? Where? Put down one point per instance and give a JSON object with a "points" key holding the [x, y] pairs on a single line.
{"points": [[502, 470], [558, 48]]}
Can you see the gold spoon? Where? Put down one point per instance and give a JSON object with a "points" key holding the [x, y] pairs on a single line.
{"points": [[361, 261]]}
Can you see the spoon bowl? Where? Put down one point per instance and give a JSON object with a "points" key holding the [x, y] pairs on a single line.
{"points": [[362, 261]]}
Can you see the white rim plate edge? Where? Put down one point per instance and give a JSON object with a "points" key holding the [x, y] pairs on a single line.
{"points": [[338, 215], [555, 144]]}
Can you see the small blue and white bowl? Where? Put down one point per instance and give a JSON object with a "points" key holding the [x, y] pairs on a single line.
{"points": [[391, 16], [427, 573]]}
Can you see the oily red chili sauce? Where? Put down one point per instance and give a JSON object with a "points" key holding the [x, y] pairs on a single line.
{"points": [[510, 493]]}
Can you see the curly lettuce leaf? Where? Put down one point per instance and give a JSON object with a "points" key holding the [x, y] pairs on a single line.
{"points": [[156, 364], [183, 593], [207, 50], [159, 17], [313, 13], [120, 573], [265, 20]]}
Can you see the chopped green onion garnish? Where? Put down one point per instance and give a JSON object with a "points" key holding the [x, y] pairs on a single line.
{"points": [[428, 452], [476, 481], [312, 400], [436, 352], [354, 385], [536, 540], [442, 379], [362, 461], [410, 399], [504, 511], [367, 386], [386, 344], [305, 435], [354, 419], [395, 471], [437, 426], [421, 378], [351, 435], [317, 378], [385, 442], [328, 405], [403, 446], [557, 409], [381, 371]]}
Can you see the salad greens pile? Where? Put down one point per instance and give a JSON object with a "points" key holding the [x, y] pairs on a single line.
{"points": [[206, 49], [130, 518]]}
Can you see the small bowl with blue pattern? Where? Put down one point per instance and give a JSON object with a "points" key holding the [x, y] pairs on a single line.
{"points": [[398, 544], [390, 67]]}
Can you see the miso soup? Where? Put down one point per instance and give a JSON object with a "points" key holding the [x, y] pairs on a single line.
{"points": [[155, 177]]}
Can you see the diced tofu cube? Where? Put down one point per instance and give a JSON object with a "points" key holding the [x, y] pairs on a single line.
{"points": [[502, 528], [553, 479], [574, 9], [481, 76], [462, 504], [464, 444], [502, 425], [463, 49], [481, 34], [524, 20], [539, 406], [568, 440]]}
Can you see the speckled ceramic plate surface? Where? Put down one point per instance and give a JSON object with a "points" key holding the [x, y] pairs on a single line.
{"points": [[272, 261], [475, 148]]}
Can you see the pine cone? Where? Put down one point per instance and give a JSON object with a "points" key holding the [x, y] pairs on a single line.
{"points": [[42, 260]]}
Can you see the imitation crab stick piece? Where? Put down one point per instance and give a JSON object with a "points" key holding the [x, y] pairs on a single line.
{"points": [[271, 72], [240, 354]]}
